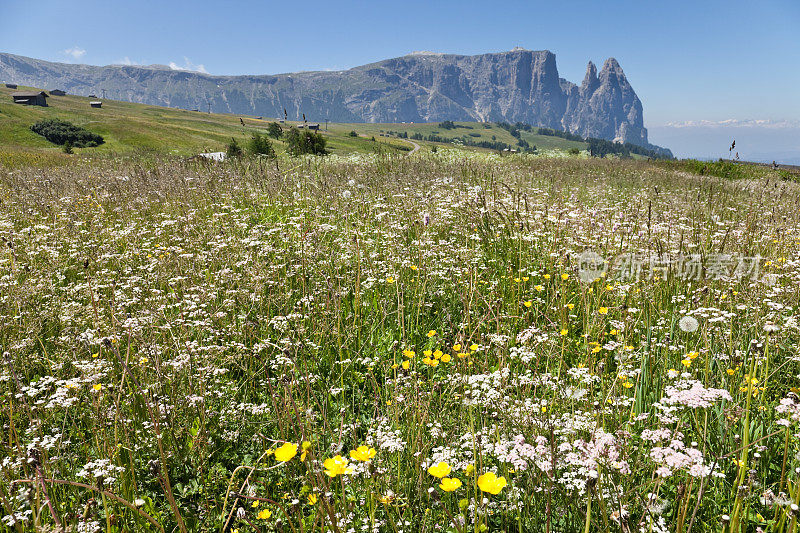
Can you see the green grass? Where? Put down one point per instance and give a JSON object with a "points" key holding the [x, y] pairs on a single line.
{"points": [[187, 346], [136, 128], [484, 132], [731, 170]]}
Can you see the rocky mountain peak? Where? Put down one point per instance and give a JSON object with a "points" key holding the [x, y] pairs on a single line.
{"points": [[612, 73], [515, 86], [590, 80]]}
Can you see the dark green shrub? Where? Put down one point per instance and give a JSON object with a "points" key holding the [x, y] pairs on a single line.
{"points": [[67, 148], [258, 145], [60, 132], [353, 133], [274, 130], [305, 142], [233, 150], [574, 151]]}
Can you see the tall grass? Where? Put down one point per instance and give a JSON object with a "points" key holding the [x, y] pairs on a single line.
{"points": [[188, 346]]}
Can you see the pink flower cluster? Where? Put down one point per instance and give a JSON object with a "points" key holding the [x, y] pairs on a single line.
{"points": [[692, 393], [789, 406], [676, 457]]}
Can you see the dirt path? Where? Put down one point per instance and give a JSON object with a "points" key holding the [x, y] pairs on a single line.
{"points": [[416, 146]]}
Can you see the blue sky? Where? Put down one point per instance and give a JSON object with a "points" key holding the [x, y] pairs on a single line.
{"points": [[701, 60]]}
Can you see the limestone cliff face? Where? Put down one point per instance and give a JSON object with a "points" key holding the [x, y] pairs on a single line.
{"points": [[515, 86], [605, 106]]}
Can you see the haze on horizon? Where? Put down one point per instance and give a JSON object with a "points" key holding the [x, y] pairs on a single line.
{"points": [[706, 74]]}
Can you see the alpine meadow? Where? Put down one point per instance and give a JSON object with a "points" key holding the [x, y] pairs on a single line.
{"points": [[399, 292], [397, 343]]}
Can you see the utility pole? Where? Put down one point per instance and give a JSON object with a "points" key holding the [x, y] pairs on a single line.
{"points": [[104, 93]]}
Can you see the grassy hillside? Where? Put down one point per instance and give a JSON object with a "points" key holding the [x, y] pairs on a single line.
{"points": [[132, 128], [129, 127], [474, 131]]}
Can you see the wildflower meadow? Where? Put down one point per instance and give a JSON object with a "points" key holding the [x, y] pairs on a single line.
{"points": [[449, 342]]}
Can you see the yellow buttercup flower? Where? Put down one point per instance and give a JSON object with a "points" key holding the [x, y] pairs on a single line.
{"points": [[312, 499], [440, 470], [336, 466], [363, 453], [490, 483], [603, 310], [286, 452], [431, 333], [456, 347], [97, 387], [264, 514], [528, 303], [449, 484], [565, 277]]}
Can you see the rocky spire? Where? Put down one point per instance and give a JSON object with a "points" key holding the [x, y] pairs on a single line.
{"points": [[612, 72], [590, 81]]}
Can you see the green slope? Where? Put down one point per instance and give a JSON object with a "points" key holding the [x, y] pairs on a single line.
{"points": [[128, 127], [136, 128], [475, 131]]}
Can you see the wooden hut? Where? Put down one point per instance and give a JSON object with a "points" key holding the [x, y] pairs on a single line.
{"points": [[30, 98]]}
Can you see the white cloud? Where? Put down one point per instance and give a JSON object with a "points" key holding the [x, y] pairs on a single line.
{"points": [[126, 61], [188, 65], [736, 123], [76, 52]]}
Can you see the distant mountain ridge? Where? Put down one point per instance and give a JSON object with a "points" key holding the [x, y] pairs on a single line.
{"points": [[515, 86]]}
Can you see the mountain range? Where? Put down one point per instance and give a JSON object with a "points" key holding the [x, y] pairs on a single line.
{"points": [[515, 86]]}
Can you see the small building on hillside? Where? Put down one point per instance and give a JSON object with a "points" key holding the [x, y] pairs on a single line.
{"points": [[30, 98], [57, 92], [313, 127], [11, 85], [96, 104]]}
